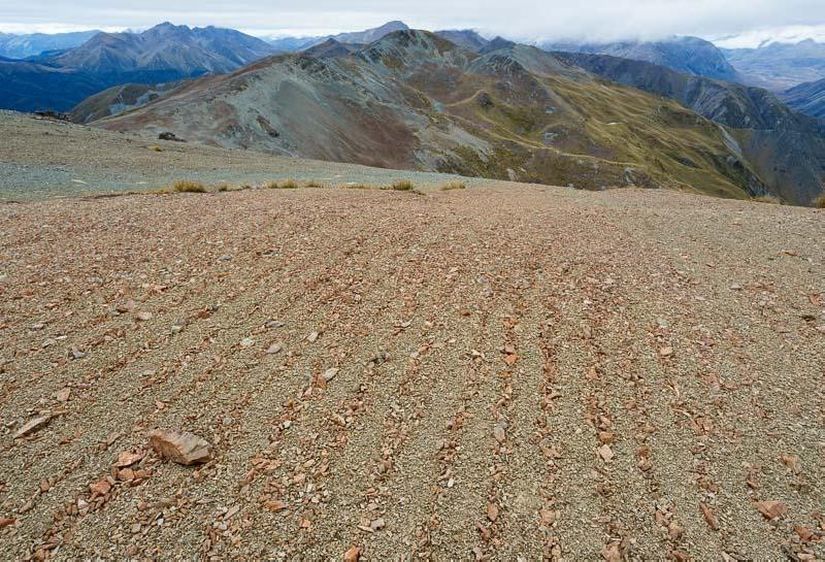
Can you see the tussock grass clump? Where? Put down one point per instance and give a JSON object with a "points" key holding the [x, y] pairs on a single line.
{"points": [[453, 185], [225, 187], [771, 199], [357, 186], [285, 184], [188, 186], [819, 202], [155, 148], [402, 185]]}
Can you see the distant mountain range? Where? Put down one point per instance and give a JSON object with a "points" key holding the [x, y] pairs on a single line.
{"points": [[295, 44], [779, 66], [171, 51], [33, 44], [58, 80], [690, 55]]}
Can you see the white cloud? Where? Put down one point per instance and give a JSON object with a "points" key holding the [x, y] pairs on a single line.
{"points": [[524, 19], [51, 27], [756, 37]]}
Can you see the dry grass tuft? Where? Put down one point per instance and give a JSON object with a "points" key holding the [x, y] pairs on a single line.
{"points": [[188, 186], [286, 184], [819, 202], [402, 185], [453, 185], [155, 148]]}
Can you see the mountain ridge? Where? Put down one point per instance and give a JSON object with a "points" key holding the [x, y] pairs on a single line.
{"points": [[807, 98], [415, 100]]}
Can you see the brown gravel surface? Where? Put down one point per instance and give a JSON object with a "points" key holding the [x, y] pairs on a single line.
{"points": [[502, 373]]}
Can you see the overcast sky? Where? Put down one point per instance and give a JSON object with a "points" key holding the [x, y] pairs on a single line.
{"points": [[520, 19]]}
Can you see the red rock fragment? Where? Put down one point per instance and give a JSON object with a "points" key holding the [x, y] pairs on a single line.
{"points": [[353, 554], [680, 556], [792, 462], [771, 509], [126, 475], [100, 488], [275, 505], [181, 447], [606, 453], [128, 458], [710, 517], [606, 437], [612, 552], [804, 533], [548, 517]]}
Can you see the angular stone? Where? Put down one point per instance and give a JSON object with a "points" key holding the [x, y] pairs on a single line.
{"points": [[606, 453], [127, 458], [181, 447], [275, 505], [710, 516], [353, 554], [100, 488], [499, 434], [771, 509], [548, 517], [32, 425]]}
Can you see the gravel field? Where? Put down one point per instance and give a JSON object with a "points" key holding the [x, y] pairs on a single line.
{"points": [[504, 372]]}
